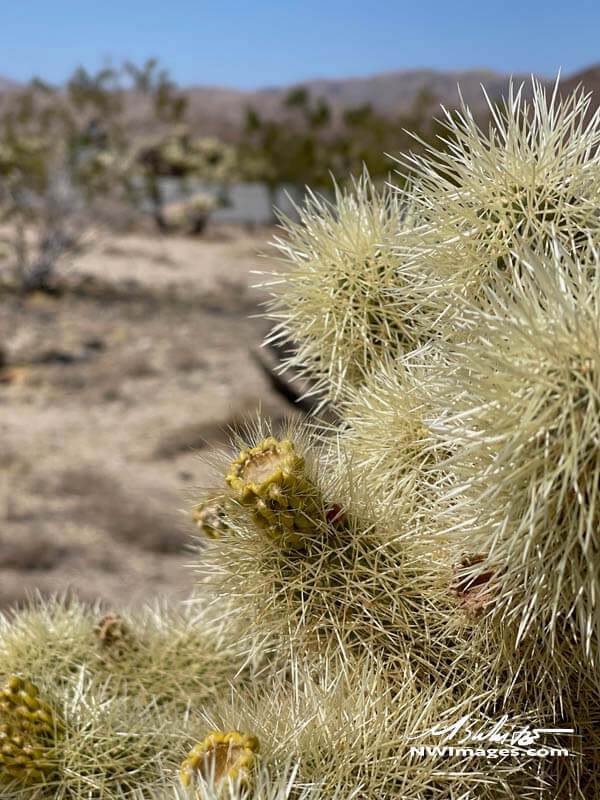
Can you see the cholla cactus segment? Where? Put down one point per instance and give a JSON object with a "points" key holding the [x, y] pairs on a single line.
{"points": [[351, 731], [385, 436], [272, 479], [182, 657], [535, 174], [175, 657], [333, 304], [101, 745], [221, 757], [370, 588], [525, 420]]}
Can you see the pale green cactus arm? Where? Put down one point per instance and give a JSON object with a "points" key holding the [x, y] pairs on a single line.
{"points": [[171, 656], [304, 558], [332, 302], [534, 175], [524, 417]]}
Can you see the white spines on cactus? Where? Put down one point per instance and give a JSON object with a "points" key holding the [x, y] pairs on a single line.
{"points": [[521, 405], [533, 174], [332, 301]]}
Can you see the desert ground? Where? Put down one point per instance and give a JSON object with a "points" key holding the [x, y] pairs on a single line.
{"points": [[113, 395]]}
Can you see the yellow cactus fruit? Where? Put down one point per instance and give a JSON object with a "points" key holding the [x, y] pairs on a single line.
{"points": [[271, 478], [20, 705], [209, 517], [20, 760], [221, 757], [28, 729]]}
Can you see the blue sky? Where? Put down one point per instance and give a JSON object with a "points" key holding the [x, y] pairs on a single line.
{"points": [[274, 42]]}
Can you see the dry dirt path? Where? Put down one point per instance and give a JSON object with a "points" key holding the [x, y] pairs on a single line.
{"points": [[111, 398]]}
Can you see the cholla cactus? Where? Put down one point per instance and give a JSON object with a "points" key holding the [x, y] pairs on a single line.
{"points": [[535, 175], [190, 215], [525, 417], [213, 160], [333, 303], [302, 549]]}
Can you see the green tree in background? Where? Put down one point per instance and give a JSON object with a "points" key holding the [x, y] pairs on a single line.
{"points": [[306, 141]]}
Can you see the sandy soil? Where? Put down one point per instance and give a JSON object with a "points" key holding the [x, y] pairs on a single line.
{"points": [[112, 395]]}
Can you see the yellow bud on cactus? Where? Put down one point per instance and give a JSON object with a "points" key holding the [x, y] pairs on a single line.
{"points": [[28, 729], [271, 478], [221, 757], [20, 703], [21, 760]]}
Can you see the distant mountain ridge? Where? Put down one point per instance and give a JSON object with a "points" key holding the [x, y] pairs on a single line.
{"points": [[396, 91], [7, 85], [388, 93], [220, 110], [589, 78]]}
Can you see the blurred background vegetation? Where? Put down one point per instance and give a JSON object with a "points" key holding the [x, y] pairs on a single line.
{"points": [[115, 148]]}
